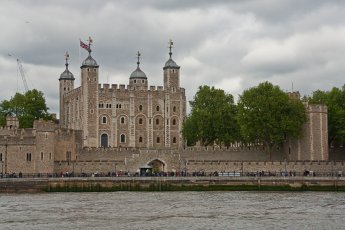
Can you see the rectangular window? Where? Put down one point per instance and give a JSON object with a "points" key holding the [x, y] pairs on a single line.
{"points": [[0, 156], [28, 157], [41, 156]]}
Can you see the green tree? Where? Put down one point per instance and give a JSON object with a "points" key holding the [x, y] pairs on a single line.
{"points": [[27, 107], [212, 119], [267, 114], [335, 101]]}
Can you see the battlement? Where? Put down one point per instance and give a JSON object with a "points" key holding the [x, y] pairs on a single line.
{"points": [[44, 126], [316, 108], [17, 140], [294, 95], [156, 88], [110, 88]]}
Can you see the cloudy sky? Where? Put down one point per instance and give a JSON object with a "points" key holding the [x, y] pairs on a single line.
{"points": [[228, 44]]}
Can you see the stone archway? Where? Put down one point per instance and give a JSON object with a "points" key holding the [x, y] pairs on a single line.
{"points": [[157, 165], [153, 167]]}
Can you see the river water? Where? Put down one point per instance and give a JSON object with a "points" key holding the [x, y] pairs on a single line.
{"points": [[173, 210]]}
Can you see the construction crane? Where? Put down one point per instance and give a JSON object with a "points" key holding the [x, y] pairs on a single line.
{"points": [[21, 71]]}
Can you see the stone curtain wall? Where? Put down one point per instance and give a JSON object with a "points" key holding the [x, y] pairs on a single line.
{"points": [[92, 160], [104, 167]]}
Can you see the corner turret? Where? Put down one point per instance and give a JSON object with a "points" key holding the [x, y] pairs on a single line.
{"points": [[171, 72], [66, 85]]}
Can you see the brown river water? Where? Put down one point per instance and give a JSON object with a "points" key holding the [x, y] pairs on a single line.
{"points": [[173, 210]]}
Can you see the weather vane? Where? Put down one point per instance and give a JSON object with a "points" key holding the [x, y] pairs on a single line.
{"points": [[170, 47], [90, 40], [66, 57], [138, 56]]}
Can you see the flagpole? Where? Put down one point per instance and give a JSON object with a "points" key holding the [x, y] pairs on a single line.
{"points": [[79, 52]]}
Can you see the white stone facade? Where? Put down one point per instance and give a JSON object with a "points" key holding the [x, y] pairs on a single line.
{"points": [[135, 115]]}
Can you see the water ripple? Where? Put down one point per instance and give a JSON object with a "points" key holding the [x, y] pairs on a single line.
{"points": [[173, 210]]}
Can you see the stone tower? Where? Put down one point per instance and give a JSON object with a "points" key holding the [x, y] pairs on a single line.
{"points": [[171, 73], [313, 144], [172, 96], [66, 85], [89, 92]]}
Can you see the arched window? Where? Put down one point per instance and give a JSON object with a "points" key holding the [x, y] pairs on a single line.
{"points": [[174, 121], [157, 108], [174, 109], [104, 140], [174, 140], [140, 107], [122, 120], [158, 140], [123, 138], [157, 121], [104, 120], [140, 139], [140, 121], [41, 156]]}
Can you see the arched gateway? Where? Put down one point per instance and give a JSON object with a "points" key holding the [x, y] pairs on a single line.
{"points": [[154, 166]]}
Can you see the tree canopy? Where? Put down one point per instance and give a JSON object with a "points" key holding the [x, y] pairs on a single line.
{"points": [[27, 107], [267, 114], [212, 118], [335, 101]]}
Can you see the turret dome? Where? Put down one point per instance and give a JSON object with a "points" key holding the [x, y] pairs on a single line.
{"points": [[66, 75], [170, 64], [138, 74], [89, 62]]}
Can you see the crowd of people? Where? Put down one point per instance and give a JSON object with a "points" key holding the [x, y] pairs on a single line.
{"points": [[149, 173]]}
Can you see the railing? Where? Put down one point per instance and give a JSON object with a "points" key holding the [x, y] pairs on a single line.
{"points": [[178, 174]]}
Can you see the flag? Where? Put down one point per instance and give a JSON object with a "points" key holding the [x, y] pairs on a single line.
{"points": [[83, 45]]}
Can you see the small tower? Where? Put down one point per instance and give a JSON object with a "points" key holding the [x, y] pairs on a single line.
{"points": [[171, 73], [66, 85], [89, 87], [138, 79]]}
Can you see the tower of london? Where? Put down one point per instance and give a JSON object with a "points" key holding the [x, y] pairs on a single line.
{"points": [[135, 116]]}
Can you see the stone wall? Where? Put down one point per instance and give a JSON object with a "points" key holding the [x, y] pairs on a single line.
{"points": [[104, 161]]}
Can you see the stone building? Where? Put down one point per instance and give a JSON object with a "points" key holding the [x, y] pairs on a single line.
{"points": [[135, 115], [137, 127], [35, 150], [313, 144]]}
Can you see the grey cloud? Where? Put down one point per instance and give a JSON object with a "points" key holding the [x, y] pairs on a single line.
{"points": [[229, 44]]}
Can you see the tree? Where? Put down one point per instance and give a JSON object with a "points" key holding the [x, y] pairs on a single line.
{"points": [[335, 101], [27, 107], [212, 119], [267, 114]]}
